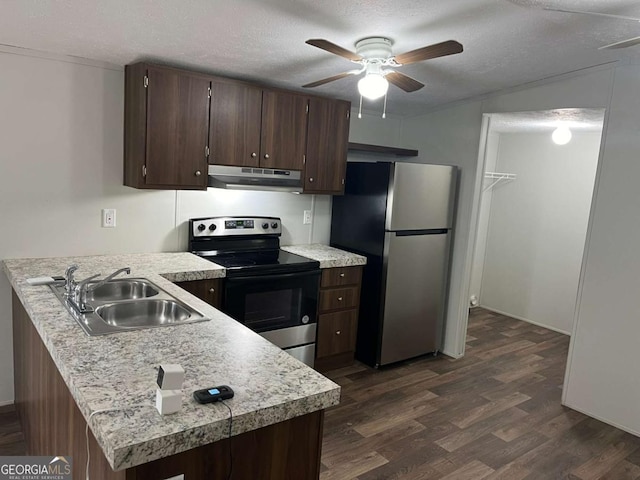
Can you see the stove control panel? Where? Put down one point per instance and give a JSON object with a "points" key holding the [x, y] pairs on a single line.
{"points": [[234, 226]]}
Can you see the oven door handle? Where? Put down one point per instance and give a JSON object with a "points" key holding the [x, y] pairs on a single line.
{"points": [[278, 276]]}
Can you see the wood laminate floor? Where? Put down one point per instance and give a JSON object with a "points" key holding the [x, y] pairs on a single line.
{"points": [[494, 414]]}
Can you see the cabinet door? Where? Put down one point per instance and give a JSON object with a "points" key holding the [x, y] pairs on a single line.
{"points": [[236, 111], [207, 290], [337, 333], [327, 143], [284, 130], [177, 129]]}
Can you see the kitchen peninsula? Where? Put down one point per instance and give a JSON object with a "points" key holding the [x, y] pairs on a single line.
{"points": [[62, 376]]}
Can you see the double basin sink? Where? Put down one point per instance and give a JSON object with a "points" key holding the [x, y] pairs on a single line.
{"points": [[128, 304]]}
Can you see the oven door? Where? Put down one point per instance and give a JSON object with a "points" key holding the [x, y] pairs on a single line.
{"points": [[274, 301]]}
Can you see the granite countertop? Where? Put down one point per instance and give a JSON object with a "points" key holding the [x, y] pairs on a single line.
{"points": [[120, 370], [328, 257]]}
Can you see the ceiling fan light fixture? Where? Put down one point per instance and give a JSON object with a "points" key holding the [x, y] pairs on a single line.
{"points": [[373, 86]]}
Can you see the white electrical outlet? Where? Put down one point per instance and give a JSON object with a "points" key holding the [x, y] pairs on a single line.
{"points": [[109, 217], [306, 220]]}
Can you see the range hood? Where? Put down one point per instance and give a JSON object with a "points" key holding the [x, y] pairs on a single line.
{"points": [[251, 178]]}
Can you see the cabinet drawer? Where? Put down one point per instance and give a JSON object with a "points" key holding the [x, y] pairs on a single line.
{"points": [[336, 277], [337, 333], [339, 298], [207, 290]]}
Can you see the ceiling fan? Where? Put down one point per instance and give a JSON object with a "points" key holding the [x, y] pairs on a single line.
{"points": [[377, 62], [621, 44]]}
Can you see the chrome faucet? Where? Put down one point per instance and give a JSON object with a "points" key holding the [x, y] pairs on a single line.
{"points": [[84, 288], [77, 291]]}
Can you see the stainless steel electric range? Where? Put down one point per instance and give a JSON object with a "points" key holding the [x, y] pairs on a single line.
{"points": [[273, 292]]}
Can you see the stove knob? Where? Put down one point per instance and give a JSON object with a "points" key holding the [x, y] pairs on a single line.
{"points": [[274, 225], [265, 225], [201, 227], [212, 227]]}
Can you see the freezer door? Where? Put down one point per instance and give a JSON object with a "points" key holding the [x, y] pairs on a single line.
{"points": [[421, 196], [415, 276]]}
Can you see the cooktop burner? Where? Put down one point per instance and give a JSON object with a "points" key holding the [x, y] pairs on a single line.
{"points": [[245, 245], [257, 260]]}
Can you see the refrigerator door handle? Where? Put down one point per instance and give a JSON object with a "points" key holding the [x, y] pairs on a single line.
{"points": [[431, 231]]}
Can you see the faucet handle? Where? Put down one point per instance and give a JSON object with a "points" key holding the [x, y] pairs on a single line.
{"points": [[70, 283]]}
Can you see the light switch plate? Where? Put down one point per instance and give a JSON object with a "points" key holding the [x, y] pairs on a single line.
{"points": [[108, 217], [306, 220]]}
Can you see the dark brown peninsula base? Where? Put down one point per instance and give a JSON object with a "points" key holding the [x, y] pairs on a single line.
{"points": [[53, 425]]}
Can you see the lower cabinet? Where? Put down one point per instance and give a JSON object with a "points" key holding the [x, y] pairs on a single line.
{"points": [[338, 317], [208, 290]]}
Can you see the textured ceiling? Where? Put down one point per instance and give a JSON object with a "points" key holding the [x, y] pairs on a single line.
{"points": [[577, 119], [506, 43]]}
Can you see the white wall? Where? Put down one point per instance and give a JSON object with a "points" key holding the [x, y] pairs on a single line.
{"points": [[537, 227], [374, 129], [61, 163], [602, 375]]}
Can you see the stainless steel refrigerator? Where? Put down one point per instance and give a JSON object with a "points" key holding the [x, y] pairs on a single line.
{"points": [[400, 216]]}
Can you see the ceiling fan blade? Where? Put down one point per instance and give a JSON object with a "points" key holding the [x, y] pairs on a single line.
{"points": [[449, 47], [403, 81], [597, 14], [327, 80], [623, 44], [333, 48]]}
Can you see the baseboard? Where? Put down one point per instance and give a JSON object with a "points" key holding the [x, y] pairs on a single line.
{"points": [[7, 407], [4, 403], [538, 324]]}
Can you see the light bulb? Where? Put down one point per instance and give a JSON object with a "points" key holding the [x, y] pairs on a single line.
{"points": [[561, 135], [373, 85]]}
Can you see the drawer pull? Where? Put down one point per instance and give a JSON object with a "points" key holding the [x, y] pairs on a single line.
{"points": [[212, 290], [337, 332], [339, 299], [342, 275]]}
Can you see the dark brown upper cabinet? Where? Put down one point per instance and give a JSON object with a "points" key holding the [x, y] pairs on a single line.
{"points": [[236, 116], [254, 127], [177, 122], [284, 130], [166, 128], [327, 140]]}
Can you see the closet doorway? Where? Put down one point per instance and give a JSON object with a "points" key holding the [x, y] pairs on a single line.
{"points": [[539, 175]]}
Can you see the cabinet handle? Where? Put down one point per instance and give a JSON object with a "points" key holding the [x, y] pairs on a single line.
{"points": [[254, 155], [337, 332], [198, 173], [342, 275], [310, 179], [266, 155], [212, 290], [339, 299]]}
